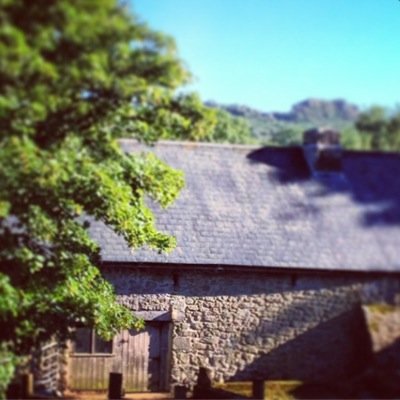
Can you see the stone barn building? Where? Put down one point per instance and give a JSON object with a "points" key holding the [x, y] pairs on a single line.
{"points": [[278, 249]]}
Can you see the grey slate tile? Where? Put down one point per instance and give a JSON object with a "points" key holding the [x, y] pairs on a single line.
{"points": [[261, 207]]}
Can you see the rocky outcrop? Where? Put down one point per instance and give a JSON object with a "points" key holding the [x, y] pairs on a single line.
{"points": [[307, 111]]}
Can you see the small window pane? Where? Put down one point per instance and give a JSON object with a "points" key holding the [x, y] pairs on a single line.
{"points": [[81, 343], [102, 346]]}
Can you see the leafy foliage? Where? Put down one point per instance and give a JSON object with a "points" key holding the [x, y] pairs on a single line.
{"points": [[76, 75], [8, 362], [230, 129], [290, 136], [379, 129], [351, 138]]}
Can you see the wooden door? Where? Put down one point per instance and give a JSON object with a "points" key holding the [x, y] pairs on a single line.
{"points": [[141, 356], [145, 358]]}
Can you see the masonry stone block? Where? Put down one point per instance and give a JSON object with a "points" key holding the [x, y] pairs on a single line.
{"points": [[182, 343], [246, 324]]}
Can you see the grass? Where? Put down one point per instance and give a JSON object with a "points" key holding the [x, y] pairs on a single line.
{"points": [[378, 310], [274, 390], [382, 308]]}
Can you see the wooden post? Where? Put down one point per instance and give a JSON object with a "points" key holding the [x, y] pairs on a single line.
{"points": [[258, 389], [203, 387], [180, 392], [13, 391], [26, 386], [115, 386]]}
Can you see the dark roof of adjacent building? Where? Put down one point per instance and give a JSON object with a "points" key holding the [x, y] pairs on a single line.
{"points": [[248, 206]]}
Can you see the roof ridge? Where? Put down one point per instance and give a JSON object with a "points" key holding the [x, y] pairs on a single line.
{"points": [[372, 152], [188, 143], [191, 143]]}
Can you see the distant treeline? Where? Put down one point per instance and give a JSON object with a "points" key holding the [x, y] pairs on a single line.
{"points": [[376, 128]]}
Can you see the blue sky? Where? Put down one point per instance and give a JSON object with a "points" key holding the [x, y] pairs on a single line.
{"points": [[270, 54]]}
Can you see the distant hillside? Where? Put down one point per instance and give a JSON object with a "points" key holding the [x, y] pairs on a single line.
{"points": [[314, 110], [285, 128]]}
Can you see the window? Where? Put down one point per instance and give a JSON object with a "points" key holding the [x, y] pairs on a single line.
{"points": [[87, 342]]}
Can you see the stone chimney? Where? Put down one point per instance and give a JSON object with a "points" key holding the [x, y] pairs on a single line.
{"points": [[322, 150]]}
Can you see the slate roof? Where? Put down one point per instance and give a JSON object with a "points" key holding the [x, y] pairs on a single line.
{"points": [[248, 206]]}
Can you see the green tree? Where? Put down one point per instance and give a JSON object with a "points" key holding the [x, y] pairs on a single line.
{"points": [[230, 129], [287, 136], [380, 129], [76, 75], [352, 139], [373, 125], [393, 131]]}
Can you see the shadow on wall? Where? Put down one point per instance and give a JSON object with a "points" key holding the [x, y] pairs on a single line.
{"points": [[205, 390], [369, 178], [331, 350], [366, 375], [215, 283], [378, 380], [389, 357]]}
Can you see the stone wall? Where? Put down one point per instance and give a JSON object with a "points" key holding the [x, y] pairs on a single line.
{"points": [[248, 324], [47, 365]]}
